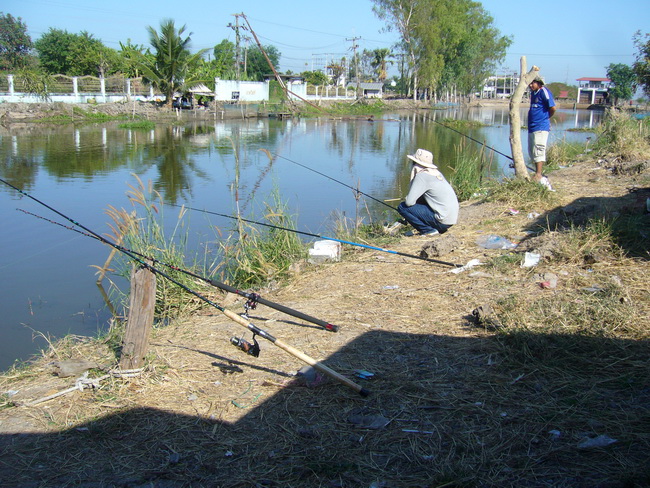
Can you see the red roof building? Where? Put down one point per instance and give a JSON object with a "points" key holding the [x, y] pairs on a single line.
{"points": [[593, 91]]}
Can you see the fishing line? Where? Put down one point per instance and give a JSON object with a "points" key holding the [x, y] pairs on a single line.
{"points": [[228, 313], [469, 137], [356, 190], [253, 298], [320, 236]]}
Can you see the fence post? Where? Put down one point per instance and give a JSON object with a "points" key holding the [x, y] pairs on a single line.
{"points": [[102, 87], [140, 321], [10, 81]]}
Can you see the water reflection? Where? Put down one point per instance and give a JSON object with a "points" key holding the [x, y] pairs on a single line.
{"points": [[82, 169]]}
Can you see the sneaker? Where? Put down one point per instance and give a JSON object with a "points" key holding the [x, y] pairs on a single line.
{"points": [[413, 233]]}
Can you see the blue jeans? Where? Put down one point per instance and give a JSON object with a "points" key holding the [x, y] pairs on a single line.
{"points": [[422, 218]]}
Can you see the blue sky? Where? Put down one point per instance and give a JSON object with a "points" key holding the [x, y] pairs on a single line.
{"points": [[566, 39]]}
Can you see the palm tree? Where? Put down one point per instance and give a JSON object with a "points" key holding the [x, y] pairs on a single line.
{"points": [[172, 68], [380, 63]]}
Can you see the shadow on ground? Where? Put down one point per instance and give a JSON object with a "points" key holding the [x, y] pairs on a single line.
{"points": [[487, 417]]}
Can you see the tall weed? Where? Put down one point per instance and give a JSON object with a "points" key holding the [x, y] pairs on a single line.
{"points": [[623, 136], [467, 173], [520, 194], [143, 231], [252, 257]]}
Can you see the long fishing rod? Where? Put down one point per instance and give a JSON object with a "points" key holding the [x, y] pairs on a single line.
{"points": [[228, 313], [253, 298], [322, 237], [356, 190], [469, 137]]}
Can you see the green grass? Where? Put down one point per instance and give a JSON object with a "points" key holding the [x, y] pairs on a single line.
{"points": [[252, 256], [138, 124], [362, 107], [461, 124], [520, 194], [563, 153], [622, 136]]}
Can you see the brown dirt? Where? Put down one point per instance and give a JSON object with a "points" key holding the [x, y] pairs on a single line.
{"points": [[445, 405]]}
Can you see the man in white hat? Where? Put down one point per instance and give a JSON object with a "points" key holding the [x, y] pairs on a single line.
{"points": [[431, 205]]}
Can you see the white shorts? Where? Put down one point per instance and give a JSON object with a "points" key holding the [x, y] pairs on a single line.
{"points": [[537, 145]]}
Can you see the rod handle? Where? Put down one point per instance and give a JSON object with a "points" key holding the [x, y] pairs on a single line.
{"points": [[300, 355], [322, 368]]}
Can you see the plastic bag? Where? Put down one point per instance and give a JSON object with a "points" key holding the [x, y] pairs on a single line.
{"points": [[495, 242]]}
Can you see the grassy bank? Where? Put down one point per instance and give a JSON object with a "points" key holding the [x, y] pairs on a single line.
{"points": [[499, 375]]}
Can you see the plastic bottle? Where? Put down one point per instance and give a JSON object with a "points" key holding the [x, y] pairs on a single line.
{"points": [[495, 242]]}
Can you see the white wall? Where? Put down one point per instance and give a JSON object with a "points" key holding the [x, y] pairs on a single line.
{"points": [[249, 91]]}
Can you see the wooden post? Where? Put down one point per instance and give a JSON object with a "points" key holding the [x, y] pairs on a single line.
{"points": [[515, 119], [140, 322]]}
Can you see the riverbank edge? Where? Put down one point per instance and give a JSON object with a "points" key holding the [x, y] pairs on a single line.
{"points": [[20, 113]]}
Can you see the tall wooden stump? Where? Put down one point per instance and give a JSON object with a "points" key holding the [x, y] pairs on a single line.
{"points": [[140, 321]]}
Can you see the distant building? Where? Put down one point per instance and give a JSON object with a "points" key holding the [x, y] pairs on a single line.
{"points": [[500, 86], [369, 90], [593, 91]]}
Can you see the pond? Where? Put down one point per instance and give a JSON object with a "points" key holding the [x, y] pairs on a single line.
{"points": [[48, 287]]}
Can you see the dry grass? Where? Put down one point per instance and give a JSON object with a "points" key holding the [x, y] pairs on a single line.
{"points": [[453, 403]]}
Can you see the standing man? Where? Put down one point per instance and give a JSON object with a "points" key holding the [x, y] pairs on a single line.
{"points": [[542, 108], [431, 205]]}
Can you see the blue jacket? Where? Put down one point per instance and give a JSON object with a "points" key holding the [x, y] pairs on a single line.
{"points": [[538, 117]]}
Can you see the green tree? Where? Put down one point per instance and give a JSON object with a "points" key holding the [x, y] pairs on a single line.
{"points": [[173, 68], [61, 52], [447, 42], [131, 54], [315, 77], [225, 59], [624, 80], [556, 87], [337, 70], [53, 49], [380, 63], [256, 64], [400, 15], [15, 43], [641, 66]]}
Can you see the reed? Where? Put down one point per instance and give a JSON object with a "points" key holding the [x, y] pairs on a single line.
{"points": [[144, 231], [622, 136], [563, 153], [252, 257], [467, 172]]}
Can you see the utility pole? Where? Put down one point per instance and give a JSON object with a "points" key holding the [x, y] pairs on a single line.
{"points": [[354, 53], [237, 43]]}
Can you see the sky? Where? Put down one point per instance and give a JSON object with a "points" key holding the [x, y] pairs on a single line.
{"points": [[566, 39]]}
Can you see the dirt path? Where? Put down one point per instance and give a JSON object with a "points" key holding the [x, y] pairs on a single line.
{"points": [[445, 406]]}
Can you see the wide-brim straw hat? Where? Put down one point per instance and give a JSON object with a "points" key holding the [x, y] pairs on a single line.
{"points": [[423, 158]]}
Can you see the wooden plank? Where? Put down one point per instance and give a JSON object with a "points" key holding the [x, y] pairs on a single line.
{"points": [[140, 322]]}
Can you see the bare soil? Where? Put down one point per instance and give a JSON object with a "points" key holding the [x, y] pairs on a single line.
{"points": [[447, 406]]}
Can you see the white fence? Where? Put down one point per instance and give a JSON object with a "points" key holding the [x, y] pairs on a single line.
{"points": [[84, 89]]}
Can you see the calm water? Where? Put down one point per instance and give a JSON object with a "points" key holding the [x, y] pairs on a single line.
{"points": [[48, 285]]}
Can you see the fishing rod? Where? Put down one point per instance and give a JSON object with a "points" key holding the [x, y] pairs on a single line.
{"points": [[356, 190], [322, 237], [228, 313], [469, 137], [253, 298]]}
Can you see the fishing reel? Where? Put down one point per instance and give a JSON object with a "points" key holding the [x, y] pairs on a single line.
{"points": [[251, 303], [247, 347]]}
